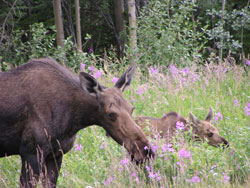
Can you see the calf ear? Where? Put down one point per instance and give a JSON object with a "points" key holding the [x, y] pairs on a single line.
{"points": [[209, 115], [89, 84], [126, 78], [195, 121]]}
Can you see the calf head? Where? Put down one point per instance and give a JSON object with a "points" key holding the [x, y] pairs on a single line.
{"points": [[205, 130], [115, 114]]}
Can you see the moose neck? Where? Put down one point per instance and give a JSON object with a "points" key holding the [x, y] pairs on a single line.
{"points": [[85, 112]]}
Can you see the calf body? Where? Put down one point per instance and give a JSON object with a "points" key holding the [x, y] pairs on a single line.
{"points": [[42, 107], [166, 127]]}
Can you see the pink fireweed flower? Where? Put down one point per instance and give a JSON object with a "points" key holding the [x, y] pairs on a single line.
{"points": [[139, 91], [146, 148], [247, 109], [91, 69], [226, 178], [184, 154], [236, 102], [103, 145], [185, 71], [248, 62], [195, 77], [166, 148], [78, 147], [91, 50], [125, 162], [153, 71], [147, 168], [151, 175], [115, 79], [109, 180], [82, 66], [133, 99], [155, 148], [179, 125], [195, 179], [133, 174], [218, 117], [158, 178], [174, 71], [98, 74]]}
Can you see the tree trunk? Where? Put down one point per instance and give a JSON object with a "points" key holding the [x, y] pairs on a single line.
{"points": [[132, 25], [222, 33], [119, 24], [58, 22], [78, 26]]}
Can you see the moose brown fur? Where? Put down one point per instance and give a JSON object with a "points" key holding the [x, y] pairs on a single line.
{"points": [[166, 127], [42, 107]]}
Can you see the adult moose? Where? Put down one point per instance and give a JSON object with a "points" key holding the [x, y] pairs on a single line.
{"points": [[42, 107]]}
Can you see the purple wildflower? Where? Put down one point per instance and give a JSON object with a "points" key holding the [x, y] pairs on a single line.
{"points": [[195, 77], [185, 71], [115, 79], [226, 178], [147, 168], [82, 66], [78, 147], [173, 70], [195, 179], [184, 154], [158, 178], [109, 180], [153, 71], [155, 148], [178, 163], [146, 148], [98, 74], [125, 162], [139, 91], [248, 62], [218, 116], [103, 145], [133, 99], [179, 125], [166, 148], [151, 175], [247, 109], [236, 102], [91, 68], [91, 50]]}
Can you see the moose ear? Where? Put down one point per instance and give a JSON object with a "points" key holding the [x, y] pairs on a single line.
{"points": [[209, 115], [89, 84], [126, 78], [194, 119]]}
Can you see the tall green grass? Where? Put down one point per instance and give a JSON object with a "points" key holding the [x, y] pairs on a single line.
{"points": [[103, 163]]}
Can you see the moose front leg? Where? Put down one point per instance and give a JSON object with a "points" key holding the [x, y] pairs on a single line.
{"points": [[52, 169], [30, 171]]}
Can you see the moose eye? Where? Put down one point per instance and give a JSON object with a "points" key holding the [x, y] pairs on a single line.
{"points": [[112, 116], [210, 134]]}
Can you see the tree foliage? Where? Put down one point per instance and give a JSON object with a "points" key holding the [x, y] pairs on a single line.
{"points": [[168, 30]]}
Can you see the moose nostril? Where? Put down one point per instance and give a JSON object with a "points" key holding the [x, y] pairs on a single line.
{"points": [[225, 142]]}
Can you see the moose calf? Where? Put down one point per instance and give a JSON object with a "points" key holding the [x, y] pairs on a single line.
{"points": [[166, 127]]}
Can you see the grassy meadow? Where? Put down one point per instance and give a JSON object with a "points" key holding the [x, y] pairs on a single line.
{"points": [[98, 161]]}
